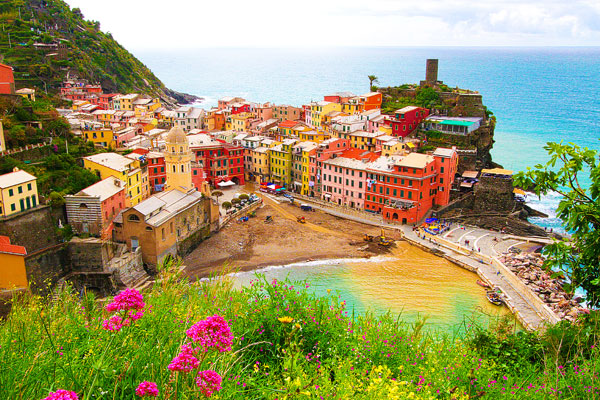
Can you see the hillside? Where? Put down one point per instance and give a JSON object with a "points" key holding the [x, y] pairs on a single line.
{"points": [[46, 41]]}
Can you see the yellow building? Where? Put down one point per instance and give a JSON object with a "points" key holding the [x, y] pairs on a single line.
{"points": [[354, 105], [125, 102], [178, 160], [101, 137], [305, 134], [392, 147], [18, 192], [12, 265], [126, 169], [259, 165], [240, 122], [280, 162], [320, 109], [301, 166], [26, 93], [363, 140]]}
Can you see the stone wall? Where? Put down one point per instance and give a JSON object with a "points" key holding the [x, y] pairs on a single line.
{"points": [[468, 105], [33, 154], [46, 267], [87, 255], [187, 245], [463, 202], [494, 194], [35, 228]]}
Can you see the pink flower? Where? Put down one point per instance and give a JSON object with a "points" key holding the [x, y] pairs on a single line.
{"points": [[115, 323], [128, 299], [212, 332], [62, 394], [209, 382], [185, 360], [147, 389]]}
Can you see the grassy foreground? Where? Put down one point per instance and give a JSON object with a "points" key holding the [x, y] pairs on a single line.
{"points": [[286, 344]]}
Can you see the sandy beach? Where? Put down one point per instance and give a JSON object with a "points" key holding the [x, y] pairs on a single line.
{"points": [[254, 244]]}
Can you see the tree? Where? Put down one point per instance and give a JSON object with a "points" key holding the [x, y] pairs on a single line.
{"points": [[227, 205], [217, 194], [244, 196], [427, 97], [579, 209], [372, 79], [235, 201]]}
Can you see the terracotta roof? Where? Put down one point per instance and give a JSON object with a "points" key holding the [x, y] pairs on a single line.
{"points": [[6, 247], [359, 154], [288, 124]]}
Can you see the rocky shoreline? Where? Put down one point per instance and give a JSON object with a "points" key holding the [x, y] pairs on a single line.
{"points": [[528, 267]]}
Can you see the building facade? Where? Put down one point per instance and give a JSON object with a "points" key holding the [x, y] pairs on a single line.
{"points": [[18, 192]]}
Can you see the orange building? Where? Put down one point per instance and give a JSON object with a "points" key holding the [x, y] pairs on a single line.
{"points": [[7, 80], [372, 100], [12, 265]]}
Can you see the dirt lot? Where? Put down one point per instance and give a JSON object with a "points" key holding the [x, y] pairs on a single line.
{"points": [[254, 244]]}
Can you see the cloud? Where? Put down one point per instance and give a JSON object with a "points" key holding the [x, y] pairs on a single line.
{"points": [[317, 23]]}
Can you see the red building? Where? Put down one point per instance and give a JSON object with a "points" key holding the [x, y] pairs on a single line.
{"points": [[105, 101], [406, 120], [238, 108], [404, 188], [7, 80], [371, 100], [156, 169], [339, 97], [217, 160]]}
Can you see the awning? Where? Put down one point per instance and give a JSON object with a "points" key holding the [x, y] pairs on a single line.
{"points": [[327, 195], [466, 184], [297, 183], [470, 174], [519, 192], [226, 184], [272, 187], [410, 144]]}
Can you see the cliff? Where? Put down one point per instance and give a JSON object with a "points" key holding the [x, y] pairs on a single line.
{"points": [[46, 41], [475, 147]]}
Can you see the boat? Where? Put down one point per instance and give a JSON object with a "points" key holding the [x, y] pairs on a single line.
{"points": [[494, 298], [483, 284]]}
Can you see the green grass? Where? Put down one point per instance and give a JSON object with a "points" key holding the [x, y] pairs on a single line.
{"points": [[325, 352]]}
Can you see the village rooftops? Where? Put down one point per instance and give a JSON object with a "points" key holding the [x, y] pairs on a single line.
{"points": [[366, 134], [444, 152], [384, 164], [256, 138], [111, 160], [415, 160], [289, 142], [195, 113], [15, 178], [163, 206], [25, 91], [201, 140], [104, 189], [241, 136], [267, 142], [341, 94], [288, 124], [321, 103], [7, 248], [130, 96], [261, 149], [142, 102], [305, 146], [406, 109]]}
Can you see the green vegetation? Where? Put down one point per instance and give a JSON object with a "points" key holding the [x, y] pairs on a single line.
{"points": [[287, 344], [579, 209], [424, 97], [44, 40], [372, 79]]}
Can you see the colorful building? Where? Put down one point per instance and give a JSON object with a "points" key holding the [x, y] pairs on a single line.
{"points": [[320, 109], [406, 120], [124, 168], [240, 122], [363, 140], [104, 138], [259, 170], [18, 192], [26, 93], [92, 210], [218, 160], [287, 112], [301, 153], [13, 274], [280, 161], [371, 100], [7, 80]]}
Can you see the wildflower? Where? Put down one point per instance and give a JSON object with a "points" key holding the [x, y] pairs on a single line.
{"points": [[285, 320], [62, 394], [185, 360], [128, 299], [212, 332], [114, 323], [147, 389], [209, 382]]}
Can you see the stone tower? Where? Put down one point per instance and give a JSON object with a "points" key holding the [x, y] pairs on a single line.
{"points": [[431, 72], [178, 161]]}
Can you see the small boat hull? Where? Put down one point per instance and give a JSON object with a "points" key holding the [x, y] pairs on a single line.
{"points": [[494, 298], [483, 284]]}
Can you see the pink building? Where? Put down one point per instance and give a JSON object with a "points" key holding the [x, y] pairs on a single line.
{"points": [[344, 181], [264, 112], [326, 149]]}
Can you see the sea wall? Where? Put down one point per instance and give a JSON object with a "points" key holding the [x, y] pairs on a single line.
{"points": [[35, 229]]}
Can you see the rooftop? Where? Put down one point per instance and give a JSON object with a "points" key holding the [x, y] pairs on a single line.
{"points": [[111, 160], [15, 178], [444, 152], [104, 189], [415, 160], [163, 206], [7, 248]]}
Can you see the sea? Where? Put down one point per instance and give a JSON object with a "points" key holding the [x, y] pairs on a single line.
{"points": [[538, 95]]}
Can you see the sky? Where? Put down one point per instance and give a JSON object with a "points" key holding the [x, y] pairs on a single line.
{"points": [[181, 24]]}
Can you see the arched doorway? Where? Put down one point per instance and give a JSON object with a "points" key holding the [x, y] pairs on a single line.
{"points": [[395, 216]]}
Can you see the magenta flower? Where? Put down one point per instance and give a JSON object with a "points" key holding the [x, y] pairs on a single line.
{"points": [[147, 389], [128, 299], [212, 332], [115, 323], [209, 382], [185, 361], [62, 394]]}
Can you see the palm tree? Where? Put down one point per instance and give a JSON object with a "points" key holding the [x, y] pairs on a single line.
{"points": [[372, 79], [217, 194]]}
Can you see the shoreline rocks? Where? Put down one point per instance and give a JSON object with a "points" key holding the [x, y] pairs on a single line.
{"points": [[528, 267]]}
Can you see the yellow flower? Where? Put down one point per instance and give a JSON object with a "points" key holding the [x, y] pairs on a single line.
{"points": [[297, 326], [328, 291], [285, 320]]}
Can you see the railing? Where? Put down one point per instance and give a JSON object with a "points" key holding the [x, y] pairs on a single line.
{"points": [[21, 149], [342, 209]]}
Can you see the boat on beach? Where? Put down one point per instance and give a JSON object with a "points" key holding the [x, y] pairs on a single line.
{"points": [[494, 298], [483, 284]]}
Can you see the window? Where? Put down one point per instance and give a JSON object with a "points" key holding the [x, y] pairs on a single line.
{"points": [[20, 189], [442, 170], [29, 186], [10, 192], [13, 207], [133, 218], [163, 233]]}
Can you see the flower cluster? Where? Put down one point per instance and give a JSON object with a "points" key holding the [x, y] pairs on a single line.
{"points": [[62, 394], [212, 332], [147, 389], [185, 360], [130, 306], [209, 382]]}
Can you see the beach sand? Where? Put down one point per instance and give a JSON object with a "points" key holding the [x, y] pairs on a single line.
{"points": [[254, 244]]}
